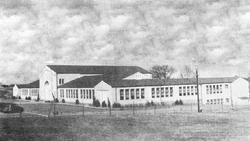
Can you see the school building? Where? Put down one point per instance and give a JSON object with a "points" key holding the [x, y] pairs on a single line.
{"points": [[132, 85]]}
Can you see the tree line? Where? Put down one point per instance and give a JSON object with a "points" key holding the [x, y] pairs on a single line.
{"points": [[167, 71]]}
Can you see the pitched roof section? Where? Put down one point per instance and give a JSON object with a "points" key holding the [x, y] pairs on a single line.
{"points": [[185, 81], [75, 69], [92, 81], [34, 84]]}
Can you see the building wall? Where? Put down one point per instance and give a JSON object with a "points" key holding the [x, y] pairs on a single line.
{"points": [[84, 95], [47, 84], [15, 91], [240, 92], [103, 92]]}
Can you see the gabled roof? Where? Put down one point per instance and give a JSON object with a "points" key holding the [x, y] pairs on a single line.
{"points": [[34, 84], [76, 69], [92, 81]]}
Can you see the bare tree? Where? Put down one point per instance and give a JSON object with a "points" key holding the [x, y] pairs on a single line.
{"points": [[162, 72], [187, 72]]}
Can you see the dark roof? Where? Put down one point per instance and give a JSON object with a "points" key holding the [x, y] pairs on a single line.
{"points": [[34, 84], [183, 81], [75, 69], [91, 81]]}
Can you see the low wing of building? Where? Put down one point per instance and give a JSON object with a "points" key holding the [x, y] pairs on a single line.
{"points": [[27, 90]]}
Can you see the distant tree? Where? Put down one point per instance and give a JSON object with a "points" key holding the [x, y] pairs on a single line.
{"points": [[162, 72], [187, 72]]}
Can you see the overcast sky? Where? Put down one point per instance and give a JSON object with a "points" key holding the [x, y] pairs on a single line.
{"points": [[124, 32]]}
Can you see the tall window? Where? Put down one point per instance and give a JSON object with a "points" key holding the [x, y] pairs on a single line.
{"points": [[188, 90], [214, 91], [192, 90], [171, 91], [132, 93], [184, 91], [93, 93], [76, 93], [153, 92], [220, 88], [142, 93], [121, 94], [84, 95], [137, 94], [180, 91], [217, 89], [90, 94], [61, 81], [207, 89], [162, 92], [158, 92], [62, 93], [166, 92], [226, 86], [210, 89], [87, 94], [127, 94]]}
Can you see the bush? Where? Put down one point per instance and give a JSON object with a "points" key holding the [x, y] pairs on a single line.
{"points": [[116, 105], [77, 101], [178, 102], [19, 97], [56, 100], [63, 100], [28, 98], [104, 104], [152, 103], [13, 97], [97, 103]]}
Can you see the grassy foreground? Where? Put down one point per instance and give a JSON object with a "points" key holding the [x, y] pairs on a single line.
{"points": [[170, 127]]}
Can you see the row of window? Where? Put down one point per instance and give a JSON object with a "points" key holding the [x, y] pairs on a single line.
{"points": [[32, 92], [216, 101], [214, 89], [126, 94], [162, 92], [187, 90], [73, 93]]}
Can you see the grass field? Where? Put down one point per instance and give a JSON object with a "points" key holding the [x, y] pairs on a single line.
{"points": [[232, 125]]}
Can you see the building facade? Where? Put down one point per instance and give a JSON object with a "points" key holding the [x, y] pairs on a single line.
{"points": [[27, 90], [134, 85]]}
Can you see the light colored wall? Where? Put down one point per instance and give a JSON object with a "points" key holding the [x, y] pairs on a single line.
{"points": [[103, 92], [70, 77], [15, 91], [226, 93], [47, 75], [240, 90], [138, 76]]}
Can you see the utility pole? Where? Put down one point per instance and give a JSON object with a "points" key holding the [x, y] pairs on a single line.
{"points": [[197, 82]]}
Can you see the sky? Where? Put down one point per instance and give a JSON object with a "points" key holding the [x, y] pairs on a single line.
{"points": [[214, 34]]}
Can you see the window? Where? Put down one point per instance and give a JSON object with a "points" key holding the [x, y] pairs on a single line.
{"points": [[211, 101], [89, 94], [227, 100], [188, 90], [162, 92], [214, 91], [208, 101], [61, 93], [192, 90], [132, 93], [210, 88], [93, 93], [207, 89], [217, 89], [171, 91], [158, 92], [76, 93], [226, 86], [220, 88], [121, 94], [180, 91], [153, 92], [84, 96], [127, 94], [184, 91], [166, 92], [61, 81], [142, 94], [137, 94]]}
